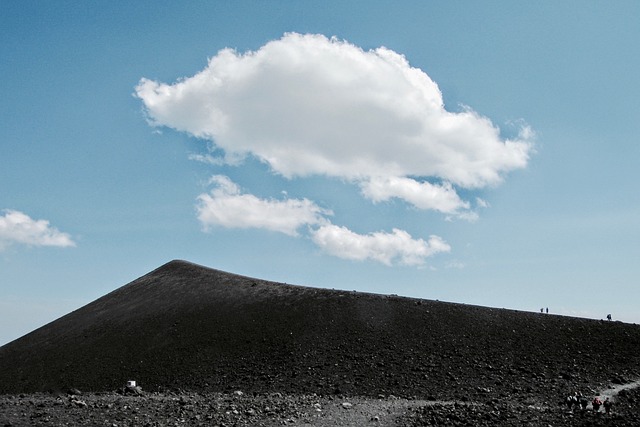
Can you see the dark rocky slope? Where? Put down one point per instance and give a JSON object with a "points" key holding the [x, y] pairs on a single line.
{"points": [[186, 327]]}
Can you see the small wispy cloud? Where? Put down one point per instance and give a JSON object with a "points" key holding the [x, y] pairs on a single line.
{"points": [[17, 228], [387, 248], [226, 206], [207, 159], [455, 264], [422, 195]]}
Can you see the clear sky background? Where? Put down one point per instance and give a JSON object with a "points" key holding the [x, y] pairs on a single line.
{"points": [[476, 152]]}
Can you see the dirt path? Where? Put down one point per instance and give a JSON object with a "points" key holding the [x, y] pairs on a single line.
{"points": [[361, 411], [613, 391], [385, 412]]}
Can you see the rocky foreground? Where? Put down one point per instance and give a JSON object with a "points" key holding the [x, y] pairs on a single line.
{"points": [[275, 409]]}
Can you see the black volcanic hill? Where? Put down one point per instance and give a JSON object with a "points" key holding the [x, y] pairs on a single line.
{"points": [[187, 327]]}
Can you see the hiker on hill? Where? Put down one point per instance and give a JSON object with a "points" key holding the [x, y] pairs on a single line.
{"points": [[596, 404], [608, 317], [570, 401], [577, 400], [607, 405], [584, 402]]}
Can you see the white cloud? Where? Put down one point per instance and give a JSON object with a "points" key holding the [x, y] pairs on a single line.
{"points": [[423, 195], [226, 206], [207, 159], [482, 203], [459, 265], [306, 104], [18, 228], [387, 248]]}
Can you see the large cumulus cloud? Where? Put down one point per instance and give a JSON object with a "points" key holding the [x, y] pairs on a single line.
{"points": [[311, 105]]}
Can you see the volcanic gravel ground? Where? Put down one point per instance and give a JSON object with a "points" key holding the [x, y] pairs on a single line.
{"points": [[240, 409], [236, 409], [625, 412]]}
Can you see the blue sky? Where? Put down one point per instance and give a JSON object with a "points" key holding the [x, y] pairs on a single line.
{"points": [[476, 152]]}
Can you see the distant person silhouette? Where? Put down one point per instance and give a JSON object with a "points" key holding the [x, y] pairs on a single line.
{"points": [[584, 402], [609, 317], [596, 404], [572, 400], [577, 399]]}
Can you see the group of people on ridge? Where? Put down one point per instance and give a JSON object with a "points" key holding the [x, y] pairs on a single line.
{"points": [[578, 401]]}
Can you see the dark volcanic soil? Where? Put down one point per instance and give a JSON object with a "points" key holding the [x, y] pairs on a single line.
{"points": [[196, 335], [239, 409]]}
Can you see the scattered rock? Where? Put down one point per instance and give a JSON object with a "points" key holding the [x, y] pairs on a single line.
{"points": [[219, 409], [132, 390], [78, 402]]}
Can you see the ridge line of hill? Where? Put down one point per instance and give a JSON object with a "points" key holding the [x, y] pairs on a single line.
{"points": [[185, 326]]}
